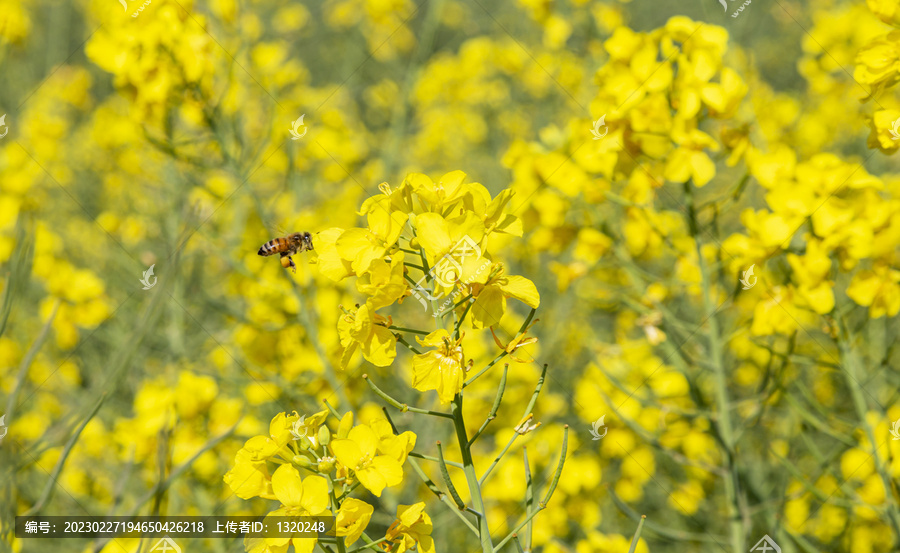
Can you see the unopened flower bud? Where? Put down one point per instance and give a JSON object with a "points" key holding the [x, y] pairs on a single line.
{"points": [[326, 465], [324, 435], [305, 443], [302, 461]]}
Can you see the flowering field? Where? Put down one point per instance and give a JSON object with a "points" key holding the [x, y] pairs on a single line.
{"points": [[567, 276]]}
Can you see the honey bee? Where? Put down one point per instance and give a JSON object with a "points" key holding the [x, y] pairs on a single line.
{"points": [[298, 242]]}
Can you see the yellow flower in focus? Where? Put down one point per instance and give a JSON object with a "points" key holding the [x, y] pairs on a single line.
{"points": [[367, 331], [384, 283], [352, 519], [446, 191], [442, 369], [390, 443], [249, 477], [358, 452], [413, 526], [490, 297], [298, 497], [308, 426], [263, 448], [330, 262], [362, 246]]}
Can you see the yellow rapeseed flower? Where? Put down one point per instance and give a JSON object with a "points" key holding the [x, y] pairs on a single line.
{"points": [[299, 497], [442, 369], [413, 526], [367, 331], [352, 519], [358, 452]]}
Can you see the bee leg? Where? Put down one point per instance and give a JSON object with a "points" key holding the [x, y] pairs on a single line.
{"points": [[288, 261]]}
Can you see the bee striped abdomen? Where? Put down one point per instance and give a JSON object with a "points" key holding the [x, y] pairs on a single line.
{"points": [[273, 246]]}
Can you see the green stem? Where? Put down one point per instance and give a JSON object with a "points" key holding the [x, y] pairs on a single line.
{"points": [[460, 504], [517, 528], [440, 495], [402, 406], [462, 438], [637, 534], [52, 482], [335, 506], [723, 402], [497, 459], [27, 360], [435, 459], [850, 366], [412, 330]]}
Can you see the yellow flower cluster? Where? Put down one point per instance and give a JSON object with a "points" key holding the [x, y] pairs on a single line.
{"points": [[334, 466], [445, 226]]}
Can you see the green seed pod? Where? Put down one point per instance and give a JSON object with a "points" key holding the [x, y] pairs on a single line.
{"points": [[324, 435]]}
